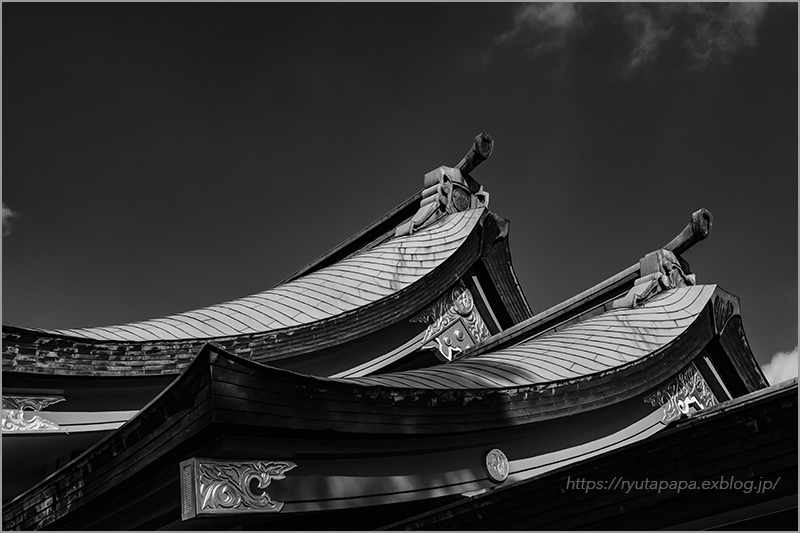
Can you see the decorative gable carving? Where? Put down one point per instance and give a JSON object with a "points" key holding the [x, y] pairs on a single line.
{"points": [[454, 324]]}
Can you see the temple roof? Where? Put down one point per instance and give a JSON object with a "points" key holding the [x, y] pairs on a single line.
{"points": [[221, 394], [372, 282], [600, 343], [363, 278]]}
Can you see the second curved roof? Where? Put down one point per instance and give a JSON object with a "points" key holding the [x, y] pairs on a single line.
{"points": [[600, 343]]}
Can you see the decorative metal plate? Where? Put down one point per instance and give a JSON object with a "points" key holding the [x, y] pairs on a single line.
{"points": [[17, 420], [212, 487], [685, 395], [454, 324], [497, 465], [20, 413]]}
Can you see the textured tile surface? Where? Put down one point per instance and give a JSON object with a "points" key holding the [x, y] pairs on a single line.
{"points": [[600, 343], [353, 282]]}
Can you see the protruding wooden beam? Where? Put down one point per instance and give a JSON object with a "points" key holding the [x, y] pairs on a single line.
{"points": [[694, 232], [480, 152]]}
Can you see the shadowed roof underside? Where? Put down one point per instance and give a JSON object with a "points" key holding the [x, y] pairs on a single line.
{"points": [[600, 343], [356, 281]]}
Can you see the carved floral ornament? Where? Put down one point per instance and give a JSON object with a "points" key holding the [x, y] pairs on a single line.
{"points": [[17, 420], [32, 403], [211, 487], [454, 324], [19, 413], [687, 394]]}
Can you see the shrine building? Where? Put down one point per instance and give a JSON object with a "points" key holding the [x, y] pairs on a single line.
{"points": [[403, 381]]}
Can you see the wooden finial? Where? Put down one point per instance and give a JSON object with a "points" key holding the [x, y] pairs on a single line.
{"points": [[694, 232], [480, 152]]}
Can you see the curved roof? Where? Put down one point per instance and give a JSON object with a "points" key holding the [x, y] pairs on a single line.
{"points": [[600, 343], [363, 278], [230, 395]]}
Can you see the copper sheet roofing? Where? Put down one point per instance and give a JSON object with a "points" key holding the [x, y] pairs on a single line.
{"points": [[358, 280], [600, 343]]}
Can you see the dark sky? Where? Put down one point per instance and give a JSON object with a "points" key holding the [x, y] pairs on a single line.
{"points": [[160, 158]]}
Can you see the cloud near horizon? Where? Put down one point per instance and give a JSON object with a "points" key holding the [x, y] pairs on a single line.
{"points": [[8, 214], [708, 32], [781, 367]]}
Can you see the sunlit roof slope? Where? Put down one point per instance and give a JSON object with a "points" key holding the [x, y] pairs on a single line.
{"points": [[601, 343], [366, 277]]}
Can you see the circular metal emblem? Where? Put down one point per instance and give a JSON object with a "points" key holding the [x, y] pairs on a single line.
{"points": [[461, 199], [497, 465]]}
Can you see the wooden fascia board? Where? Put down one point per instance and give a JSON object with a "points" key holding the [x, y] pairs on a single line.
{"points": [[732, 419], [111, 461], [734, 341], [500, 269], [589, 391], [321, 394], [355, 408]]}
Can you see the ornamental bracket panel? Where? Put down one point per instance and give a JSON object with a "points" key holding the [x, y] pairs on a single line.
{"points": [[687, 394], [212, 487], [454, 324], [21, 414]]}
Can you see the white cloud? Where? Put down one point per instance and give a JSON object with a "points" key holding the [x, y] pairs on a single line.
{"points": [[7, 215], [721, 32], [781, 367], [708, 32], [646, 32], [544, 25]]}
